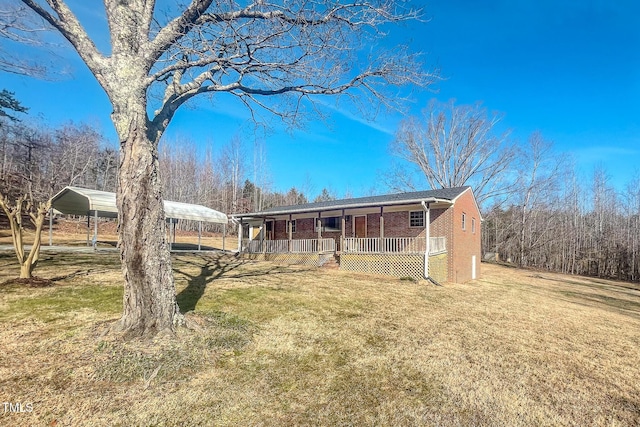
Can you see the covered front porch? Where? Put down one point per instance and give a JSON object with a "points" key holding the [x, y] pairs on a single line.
{"points": [[401, 235], [346, 245]]}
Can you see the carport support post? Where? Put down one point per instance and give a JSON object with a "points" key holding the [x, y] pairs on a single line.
{"points": [[199, 233], [88, 227], [174, 221], [95, 230], [224, 234]]}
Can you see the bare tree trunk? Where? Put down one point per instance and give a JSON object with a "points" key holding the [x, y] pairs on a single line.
{"points": [[149, 298], [37, 213], [249, 51]]}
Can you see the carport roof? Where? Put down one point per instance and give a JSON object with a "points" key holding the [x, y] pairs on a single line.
{"points": [[83, 201]]}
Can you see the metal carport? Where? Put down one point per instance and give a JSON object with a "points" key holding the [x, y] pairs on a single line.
{"points": [[84, 201]]}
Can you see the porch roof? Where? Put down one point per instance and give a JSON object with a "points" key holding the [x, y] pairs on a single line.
{"points": [[443, 195]]}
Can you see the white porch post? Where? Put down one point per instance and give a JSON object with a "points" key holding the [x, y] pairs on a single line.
{"points": [[319, 222], [342, 231], [51, 226], [290, 232], [427, 220], [381, 229], [240, 236], [263, 233]]}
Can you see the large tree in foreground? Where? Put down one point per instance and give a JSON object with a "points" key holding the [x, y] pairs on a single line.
{"points": [[158, 60]]}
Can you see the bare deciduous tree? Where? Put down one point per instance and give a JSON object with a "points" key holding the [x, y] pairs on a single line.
{"points": [[75, 150], [539, 173], [455, 146], [36, 213], [19, 25], [251, 50]]}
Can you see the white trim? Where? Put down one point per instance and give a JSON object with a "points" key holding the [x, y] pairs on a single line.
{"points": [[473, 196]]}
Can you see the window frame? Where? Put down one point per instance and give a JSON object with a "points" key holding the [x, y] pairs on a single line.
{"points": [[336, 228], [421, 218], [464, 221]]}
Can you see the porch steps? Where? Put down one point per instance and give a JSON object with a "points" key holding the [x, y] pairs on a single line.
{"points": [[332, 263]]}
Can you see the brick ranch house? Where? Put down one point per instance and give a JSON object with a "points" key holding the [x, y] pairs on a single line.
{"points": [[431, 234]]}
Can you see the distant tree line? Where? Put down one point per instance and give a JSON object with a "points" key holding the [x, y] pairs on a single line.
{"points": [[40, 161], [585, 228], [537, 211]]}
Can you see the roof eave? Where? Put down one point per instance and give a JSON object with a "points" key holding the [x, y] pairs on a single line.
{"points": [[339, 207]]}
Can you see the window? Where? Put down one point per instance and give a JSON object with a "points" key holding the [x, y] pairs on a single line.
{"points": [[291, 224], [464, 221], [473, 225], [416, 219], [329, 224]]}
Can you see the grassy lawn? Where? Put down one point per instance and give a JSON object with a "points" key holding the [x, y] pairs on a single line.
{"points": [[280, 345]]}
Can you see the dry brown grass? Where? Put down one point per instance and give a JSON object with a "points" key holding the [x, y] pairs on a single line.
{"points": [[298, 346]]}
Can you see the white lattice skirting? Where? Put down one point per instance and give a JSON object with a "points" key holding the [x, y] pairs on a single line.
{"points": [[385, 264], [312, 259]]}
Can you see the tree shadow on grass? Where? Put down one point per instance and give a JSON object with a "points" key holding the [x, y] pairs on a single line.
{"points": [[212, 268]]}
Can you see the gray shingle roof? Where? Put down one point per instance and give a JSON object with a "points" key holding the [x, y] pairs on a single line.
{"points": [[446, 194]]}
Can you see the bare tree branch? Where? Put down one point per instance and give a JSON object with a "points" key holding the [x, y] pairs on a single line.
{"points": [[455, 146], [258, 51], [64, 20], [18, 26]]}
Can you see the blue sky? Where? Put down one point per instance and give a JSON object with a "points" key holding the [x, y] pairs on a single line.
{"points": [[570, 70]]}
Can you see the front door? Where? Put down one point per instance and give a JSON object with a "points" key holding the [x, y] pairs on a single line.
{"points": [[360, 226], [269, 228]]}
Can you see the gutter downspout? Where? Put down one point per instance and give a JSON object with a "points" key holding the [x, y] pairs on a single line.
{"points": [[425, 206]]}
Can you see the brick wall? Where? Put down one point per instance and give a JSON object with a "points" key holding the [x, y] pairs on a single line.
{"points": [[396, 224], [465, 242]]}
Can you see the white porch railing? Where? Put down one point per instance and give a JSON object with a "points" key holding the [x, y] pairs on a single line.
{"points": [[313, 245], [404, 245], [401, 245], [297, 246], [437, 245]]}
